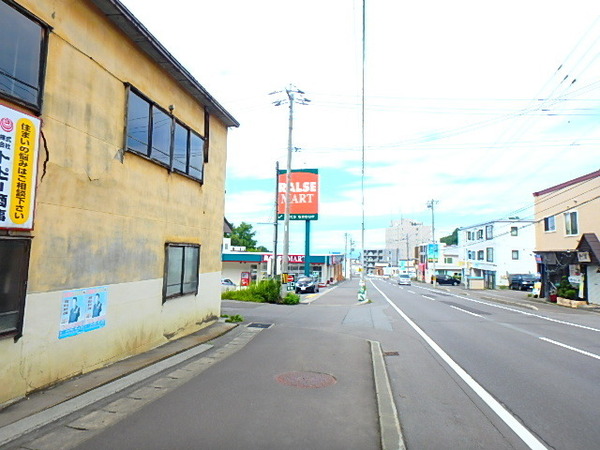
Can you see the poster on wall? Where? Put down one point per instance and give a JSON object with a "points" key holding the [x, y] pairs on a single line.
{"points": [[19, 136], [82, 310]]}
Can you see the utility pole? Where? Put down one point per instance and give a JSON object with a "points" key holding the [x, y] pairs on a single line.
{"points": [[275, 220], [431, 204], [294, 95]]}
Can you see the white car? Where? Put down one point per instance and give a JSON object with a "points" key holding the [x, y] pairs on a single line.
{"points": [[404, 279]]}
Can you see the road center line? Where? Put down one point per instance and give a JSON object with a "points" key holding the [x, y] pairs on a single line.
{"points": [[465, 311], [560, 344], [526, 436], [428, 297]]}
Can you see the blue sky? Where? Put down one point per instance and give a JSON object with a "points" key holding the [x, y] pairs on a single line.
{"points": [[475, 104]]}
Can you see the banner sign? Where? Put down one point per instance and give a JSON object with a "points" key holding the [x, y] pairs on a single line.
{"points": [[304, 194], [19, 136], [82, 310], [432, 252]]}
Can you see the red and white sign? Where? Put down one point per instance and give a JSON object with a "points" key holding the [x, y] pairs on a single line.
{"points": [[304, 194]]}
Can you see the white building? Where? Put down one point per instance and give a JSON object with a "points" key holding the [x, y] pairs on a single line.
{"points": [[496, 249]]}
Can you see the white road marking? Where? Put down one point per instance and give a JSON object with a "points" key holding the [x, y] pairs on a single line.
{"points": [[526, 436], [412, 292], [428, 297], [525, 313], [560, 344], [465, 311]]}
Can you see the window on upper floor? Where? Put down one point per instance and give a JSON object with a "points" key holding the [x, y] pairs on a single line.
{"points": [[489, 254], [489, 232], [515, 254], [22, 56], [182, 270], [157, 135], [479, 255], [469, 235], [571, 225], [448, 260], [550, 223], [514, 231], [480, 234]]}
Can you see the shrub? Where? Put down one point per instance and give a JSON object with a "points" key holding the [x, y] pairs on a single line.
{"points": [[261, 292], [291, 299], [566, 290]]}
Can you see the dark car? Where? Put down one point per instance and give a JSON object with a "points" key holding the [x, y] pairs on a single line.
{"points": [[307, 284], [447, 279], [522, 282]]}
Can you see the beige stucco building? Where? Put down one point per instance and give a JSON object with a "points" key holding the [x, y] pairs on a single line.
{"points": [[567, 226], [111, 216]]}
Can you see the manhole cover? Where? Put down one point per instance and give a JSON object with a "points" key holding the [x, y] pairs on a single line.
{"points": [[306, 379], [259, 325]]}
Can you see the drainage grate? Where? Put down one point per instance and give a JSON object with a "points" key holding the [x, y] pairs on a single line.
{"points": [[391, 354], [306, 379], [259, 325]]}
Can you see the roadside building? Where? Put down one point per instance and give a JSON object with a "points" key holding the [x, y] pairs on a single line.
{"points": [[401, 237], [567, 218], [240, 265], [112, 180], [375, 259], [494, 250]]}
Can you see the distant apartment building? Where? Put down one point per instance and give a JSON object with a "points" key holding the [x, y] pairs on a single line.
{"points": [[401, 237], [112, 181], [496, 249], [567, 228], [375, 259]]}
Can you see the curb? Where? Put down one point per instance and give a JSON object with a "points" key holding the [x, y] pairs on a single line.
{"points": [[389, 424]]}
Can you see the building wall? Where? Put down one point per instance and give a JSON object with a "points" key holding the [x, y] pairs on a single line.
{"points": [[580, 197], [503, 243], [102, 215]]}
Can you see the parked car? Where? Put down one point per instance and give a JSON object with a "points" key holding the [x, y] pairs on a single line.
{"points": [[404, 279], [522, 282], [307, 284], [446, 279], [227, 284]]}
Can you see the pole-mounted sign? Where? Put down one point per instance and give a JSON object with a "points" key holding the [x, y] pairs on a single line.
{"points": [[304, 194]]}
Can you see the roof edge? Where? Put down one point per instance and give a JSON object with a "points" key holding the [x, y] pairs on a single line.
{"points": [[580, 179], [123, 19]]}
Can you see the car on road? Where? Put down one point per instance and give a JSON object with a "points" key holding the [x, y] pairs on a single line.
{"points": [[522, 282], [446, 279], [404, 279], [307, 284]]}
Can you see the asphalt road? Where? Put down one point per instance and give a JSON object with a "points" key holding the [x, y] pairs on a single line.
{"points": [[541, 367]]}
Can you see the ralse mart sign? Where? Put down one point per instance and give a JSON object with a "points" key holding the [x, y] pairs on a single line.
{"points": [[304, 194]]}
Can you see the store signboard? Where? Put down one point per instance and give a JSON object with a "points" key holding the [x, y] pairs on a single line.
{"points": [[19, 137], [304, 194]]}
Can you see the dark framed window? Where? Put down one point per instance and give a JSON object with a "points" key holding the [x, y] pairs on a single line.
{"points": [[14, 265], [480, 234], [515, 254], [157, 135], [23, 46], [480, 255], [514, 231], [549, 223], [489, 232], [489, 254], [182, 263]]}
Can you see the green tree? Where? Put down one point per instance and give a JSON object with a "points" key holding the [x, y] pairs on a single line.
{"points": [[243, 236], [451, 239]]}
